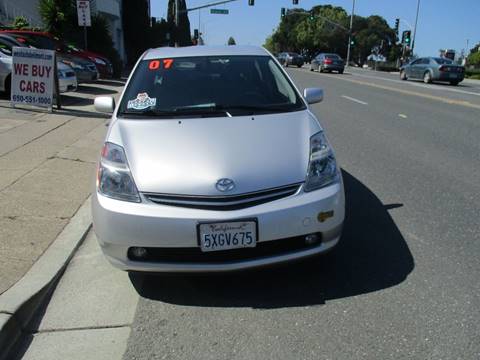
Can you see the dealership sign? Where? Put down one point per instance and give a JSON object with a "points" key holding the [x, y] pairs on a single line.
{"points": [[83, 12], [32, 76]]}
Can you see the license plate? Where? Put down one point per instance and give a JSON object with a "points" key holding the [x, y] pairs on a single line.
{"points": [[227, 235]]}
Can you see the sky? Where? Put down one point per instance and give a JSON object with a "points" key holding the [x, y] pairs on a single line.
{"points": [[441, 23]]}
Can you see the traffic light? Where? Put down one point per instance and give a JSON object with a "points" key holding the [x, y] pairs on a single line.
{"points": [[397, 25], [251, 2], [283, 12], [406, 37], [295, 2]]}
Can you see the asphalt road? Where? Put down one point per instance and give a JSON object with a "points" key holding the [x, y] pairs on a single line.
{"points": [[403, 284]]}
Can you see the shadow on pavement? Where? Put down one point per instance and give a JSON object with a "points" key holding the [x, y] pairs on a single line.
{"points": [[372, 256], [117, 83], [94, 90], [72, 100]]}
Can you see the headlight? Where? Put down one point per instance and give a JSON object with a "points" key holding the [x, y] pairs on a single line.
{"points": [[322, 168], [114, 178], [73, 64], [99, 61]]}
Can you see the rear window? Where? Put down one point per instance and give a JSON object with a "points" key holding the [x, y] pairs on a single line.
{"points": [[442, 61], [235, 84], [332, 56]]}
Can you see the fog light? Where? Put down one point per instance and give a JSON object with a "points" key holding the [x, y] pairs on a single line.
{"points": [[312, 239], [139, 252]]}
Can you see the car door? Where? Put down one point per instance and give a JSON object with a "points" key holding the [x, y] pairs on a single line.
{"points": [[414, 68], [316, 62]]}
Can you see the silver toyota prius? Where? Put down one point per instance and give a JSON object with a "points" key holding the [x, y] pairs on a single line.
{"points": [[213, 161]]}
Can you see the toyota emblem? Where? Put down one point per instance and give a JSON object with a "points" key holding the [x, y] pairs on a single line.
{"points": [[224, 185]]}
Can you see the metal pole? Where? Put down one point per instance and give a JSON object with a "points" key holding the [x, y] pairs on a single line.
{"points": [[85, 36], [177, 21], [350, 33], [415, 28]]}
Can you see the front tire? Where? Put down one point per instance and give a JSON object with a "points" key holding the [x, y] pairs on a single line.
{"points": [[340, 71], [427, 77], [454, 83]]}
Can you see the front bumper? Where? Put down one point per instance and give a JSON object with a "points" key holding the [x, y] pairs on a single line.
{"points": [[120, 225], [67, 84]]}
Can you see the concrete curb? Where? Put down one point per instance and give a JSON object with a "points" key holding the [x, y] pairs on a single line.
{"points": [[19, 304]]}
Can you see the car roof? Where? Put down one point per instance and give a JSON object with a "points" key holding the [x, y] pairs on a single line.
{"points": [[191, 51]]}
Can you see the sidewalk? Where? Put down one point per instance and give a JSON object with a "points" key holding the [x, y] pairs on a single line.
{"points": [[47, 164]]}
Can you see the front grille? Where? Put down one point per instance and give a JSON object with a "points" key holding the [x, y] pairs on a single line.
{"points": [[230, 202], [195, 255]]}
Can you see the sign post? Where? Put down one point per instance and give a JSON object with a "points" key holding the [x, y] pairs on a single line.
{"points": [[84, 18], [33, 74]]}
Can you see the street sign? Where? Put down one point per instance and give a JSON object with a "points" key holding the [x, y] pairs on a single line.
{"points": [[32, 76], [219, 11], [83, 12]]}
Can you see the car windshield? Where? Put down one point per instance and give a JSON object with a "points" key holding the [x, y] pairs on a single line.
{"points": [[442, 61], [209, 85], [332, 56]]}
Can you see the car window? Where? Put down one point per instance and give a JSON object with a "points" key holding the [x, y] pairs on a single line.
{"points": [[332, 56], [425, 61], [416, 62], [442, 61], [226, 82]]}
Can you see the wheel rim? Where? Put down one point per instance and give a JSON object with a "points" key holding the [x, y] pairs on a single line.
{"points": [[426, 77]]}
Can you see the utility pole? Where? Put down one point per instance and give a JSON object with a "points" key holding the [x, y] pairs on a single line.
{"points": [[177, 21], [350, 33], [415, 28]]}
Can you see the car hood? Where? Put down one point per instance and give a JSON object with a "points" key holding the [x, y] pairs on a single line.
{"points": [[189, 156]]}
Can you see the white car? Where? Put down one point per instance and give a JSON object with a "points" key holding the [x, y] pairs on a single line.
{"points": [[67, 79], [213, 161]]}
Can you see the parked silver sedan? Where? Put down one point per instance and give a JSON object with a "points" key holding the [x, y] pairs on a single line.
{"points": [[213, 161], [431, 69]]}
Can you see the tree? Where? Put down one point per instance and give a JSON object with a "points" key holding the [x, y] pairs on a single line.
{"points": [[20, 23], [231, 41], [53, 15], [474, 59], [301, 32], [136, 28], [181, 33]]}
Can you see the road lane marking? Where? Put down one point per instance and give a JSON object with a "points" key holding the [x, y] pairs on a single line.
{"points": [[405, 92], [403, 116], [354, 100], [430, 86]]}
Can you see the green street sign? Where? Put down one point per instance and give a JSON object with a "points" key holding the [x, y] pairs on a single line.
{"points": [[219, 11]]}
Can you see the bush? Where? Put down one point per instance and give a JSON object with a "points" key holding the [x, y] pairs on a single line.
{"points": [[472, 74]]}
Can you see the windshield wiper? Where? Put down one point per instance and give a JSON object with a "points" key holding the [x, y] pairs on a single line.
{"points": [[185, 111], [254, 107]]}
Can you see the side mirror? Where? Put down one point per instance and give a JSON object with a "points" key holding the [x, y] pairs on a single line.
{"points": [[104, 104], [313, 95]]}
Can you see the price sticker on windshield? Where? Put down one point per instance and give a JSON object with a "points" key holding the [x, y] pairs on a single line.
{"points": [[156, 64]]}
